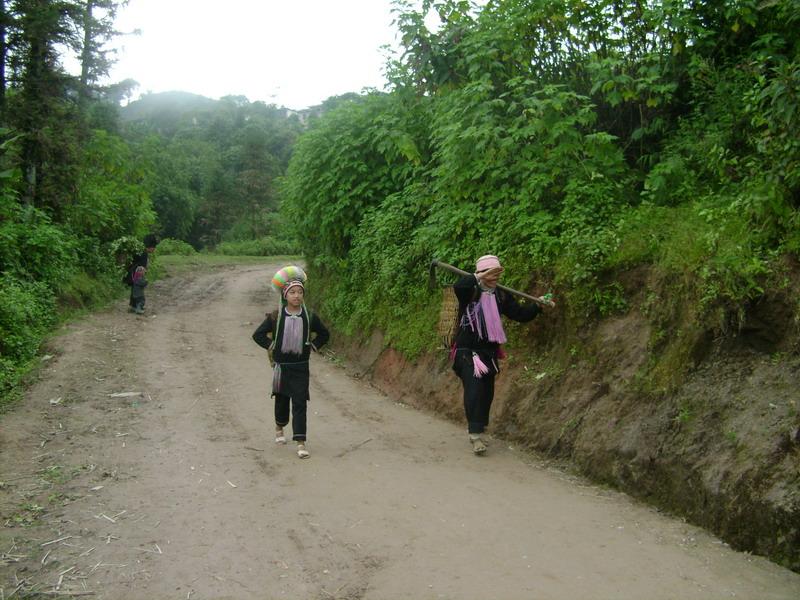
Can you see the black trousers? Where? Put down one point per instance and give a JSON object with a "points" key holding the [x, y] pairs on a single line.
{"points": [[478, 392], [299, 410], [137, 300]]}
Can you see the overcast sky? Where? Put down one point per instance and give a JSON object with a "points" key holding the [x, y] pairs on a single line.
{"points": [[294, 53]]}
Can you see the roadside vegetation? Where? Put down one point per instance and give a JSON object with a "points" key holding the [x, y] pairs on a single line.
{"points": [[577, 141], [635, 159]]}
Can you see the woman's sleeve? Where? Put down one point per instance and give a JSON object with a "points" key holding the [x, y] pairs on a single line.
{"points": [[465, 288], [519, 312], [322, 336], [260, 336]]}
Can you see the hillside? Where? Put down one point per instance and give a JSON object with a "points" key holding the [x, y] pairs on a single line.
{"points": [[720, 447]]}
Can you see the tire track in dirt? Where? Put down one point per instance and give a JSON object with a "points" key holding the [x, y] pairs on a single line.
{"points": [[179, 492]]}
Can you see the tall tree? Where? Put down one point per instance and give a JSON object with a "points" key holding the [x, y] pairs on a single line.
{"points": [[42, 26], [97, 21], [3, 53]]}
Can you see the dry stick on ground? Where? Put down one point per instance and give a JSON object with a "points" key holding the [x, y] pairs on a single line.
{"points": [[353, 447], [65, 593], [61, 539], [7, 479]]}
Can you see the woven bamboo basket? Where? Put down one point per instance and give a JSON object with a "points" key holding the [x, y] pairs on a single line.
{"points": [[448, 318]]}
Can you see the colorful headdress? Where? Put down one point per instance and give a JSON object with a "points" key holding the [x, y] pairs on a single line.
{"points": [[291, 274]]}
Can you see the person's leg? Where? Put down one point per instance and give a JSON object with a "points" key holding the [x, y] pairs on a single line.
{"points": [[281, 417], [299, 412], [299, 415], [475, 393], [485, 402]]}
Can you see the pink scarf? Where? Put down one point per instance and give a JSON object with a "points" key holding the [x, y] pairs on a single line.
{"points": [[491, 328], [491, 317]]}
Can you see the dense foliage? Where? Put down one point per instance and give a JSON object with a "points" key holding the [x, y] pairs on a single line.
{"points": [[82, 182], [572, 138], [214, 165], [68, 187]]}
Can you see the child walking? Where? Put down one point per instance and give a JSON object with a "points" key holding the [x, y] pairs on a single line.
{"points": [[287, 334], [478, 340]]}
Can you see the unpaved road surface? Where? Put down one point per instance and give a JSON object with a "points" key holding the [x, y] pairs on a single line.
{"points": [[176, 490]]}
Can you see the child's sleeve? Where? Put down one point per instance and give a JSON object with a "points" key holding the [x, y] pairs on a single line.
{"points": [[261, 335], [322, 336]]}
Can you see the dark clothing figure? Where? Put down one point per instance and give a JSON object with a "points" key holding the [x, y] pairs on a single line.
{"points": [[139, 261], [137, 295], [473, 347], [290, 369], [137, 290]]}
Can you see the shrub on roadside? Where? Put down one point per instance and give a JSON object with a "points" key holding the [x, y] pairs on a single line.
{"points": [[264, 246], [170, 246], [26, 315]]}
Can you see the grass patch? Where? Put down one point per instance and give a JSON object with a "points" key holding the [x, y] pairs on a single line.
{"points": [[174, 264]]}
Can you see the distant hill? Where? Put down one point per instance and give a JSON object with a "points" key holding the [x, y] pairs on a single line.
{"points": [[168, 111], [165, 104]]}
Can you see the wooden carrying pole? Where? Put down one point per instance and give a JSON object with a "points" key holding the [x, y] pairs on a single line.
{"points": [[442, 265]]}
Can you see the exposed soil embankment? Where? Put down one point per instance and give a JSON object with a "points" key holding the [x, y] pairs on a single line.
{"points": [[718, 444]]}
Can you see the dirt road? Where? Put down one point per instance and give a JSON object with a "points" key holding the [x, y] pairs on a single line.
{"points": [[142, 466]]}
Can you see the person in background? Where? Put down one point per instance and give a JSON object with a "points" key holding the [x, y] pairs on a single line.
{"points": [[137, 290], [140, 260], [287, 334]]}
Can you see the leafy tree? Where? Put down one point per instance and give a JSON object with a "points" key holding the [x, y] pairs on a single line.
{"points": [[561, 135], [97, 21], [215, 164]]}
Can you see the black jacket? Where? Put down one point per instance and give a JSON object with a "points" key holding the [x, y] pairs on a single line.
{"points": [[262, 337], [140, 260], [468, 291]]}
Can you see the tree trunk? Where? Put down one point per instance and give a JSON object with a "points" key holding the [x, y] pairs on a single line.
{"points": [[3, 21], [86, 51]]}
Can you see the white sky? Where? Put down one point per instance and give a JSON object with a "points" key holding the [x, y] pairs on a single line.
{"points": [[294, 53]]}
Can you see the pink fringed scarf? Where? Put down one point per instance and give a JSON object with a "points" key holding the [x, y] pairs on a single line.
{"points": [[489, 327], [491, 317]]}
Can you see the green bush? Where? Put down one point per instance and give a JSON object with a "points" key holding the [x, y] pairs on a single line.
{"points": [[27, 314], [261, 247], [34, 248], [175, 247]]}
